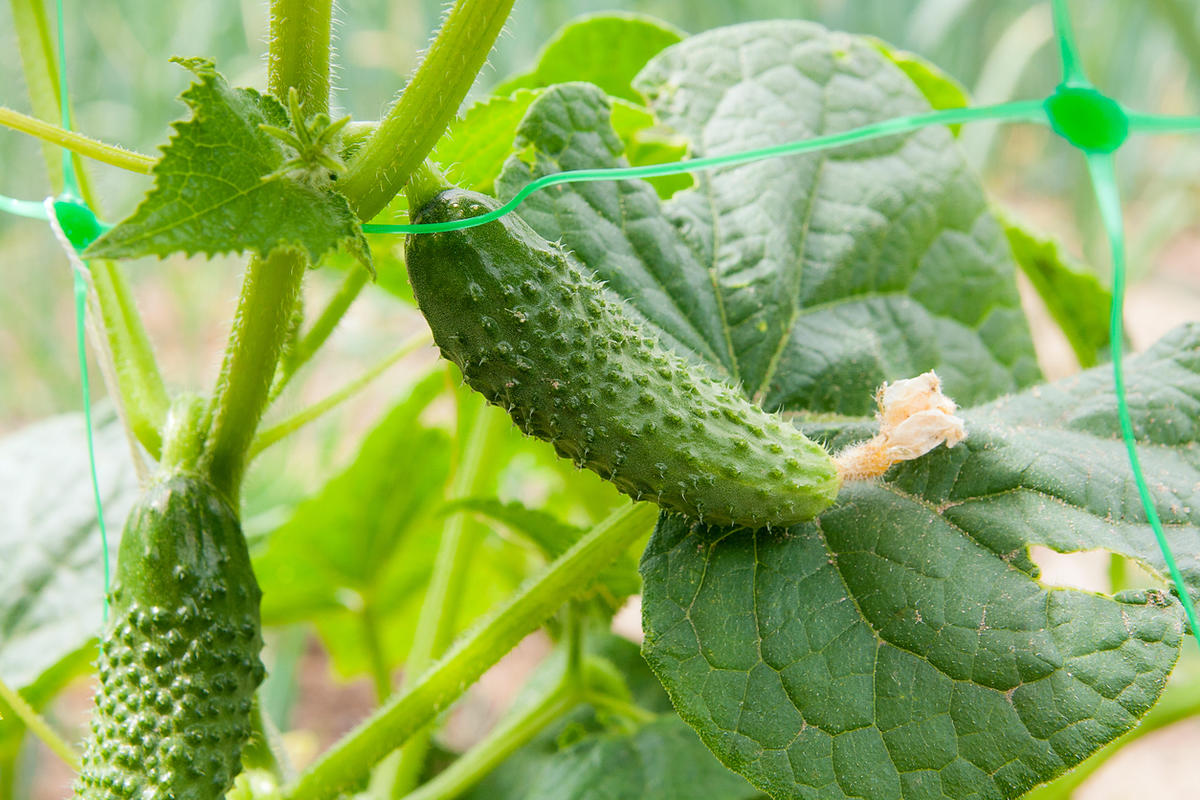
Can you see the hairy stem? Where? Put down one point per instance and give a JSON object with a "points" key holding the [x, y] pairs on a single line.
{"points": [[439, 609], [265, 749], [499, 632], [505, 739], [143, 393], [299, 52], [298, 420], [36, 45], [11, 699], [77, 142], [269, 291], [415, 123], [271, 287]]}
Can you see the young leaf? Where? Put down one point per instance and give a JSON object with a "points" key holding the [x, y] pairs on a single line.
{"points": [[218, 186], [52, 582], [604, 49], [941, 90], [1073, 296], [900, 646]]}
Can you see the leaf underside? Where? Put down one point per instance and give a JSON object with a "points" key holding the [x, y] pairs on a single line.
{"points": [[899, 646], [212, 193], [52, 580]]}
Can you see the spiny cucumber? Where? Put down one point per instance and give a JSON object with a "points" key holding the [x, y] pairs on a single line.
{"points": [[535, 332], [179, 661]]}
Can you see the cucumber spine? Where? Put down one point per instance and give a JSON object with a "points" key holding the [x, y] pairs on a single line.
{"points": [[536, 333]]}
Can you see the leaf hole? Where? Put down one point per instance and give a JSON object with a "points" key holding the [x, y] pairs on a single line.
{"points": [[1091, 570]]}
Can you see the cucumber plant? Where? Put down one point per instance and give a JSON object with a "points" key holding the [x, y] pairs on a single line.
{"points": [[703, 346]]}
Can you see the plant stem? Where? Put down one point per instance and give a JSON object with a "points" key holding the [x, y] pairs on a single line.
{"points": [[312, 341], [615, 705], [416, 121], [269, 291], [36, 46], [38, 726], [439, 609], [511, 734], [298, 54], [77, 142], [265, 750], [293, 423], [409, 711], [143, 394], [271, 286]]}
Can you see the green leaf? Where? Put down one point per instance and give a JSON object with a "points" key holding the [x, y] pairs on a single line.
{"points": [[647, 141], [900, 646], [604, 49], [212, 193], [365, 544], [1072, 294], [52, 582]]}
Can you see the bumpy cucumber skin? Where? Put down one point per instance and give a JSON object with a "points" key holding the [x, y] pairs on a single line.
{"points": [[537, 334], [179, 662]]}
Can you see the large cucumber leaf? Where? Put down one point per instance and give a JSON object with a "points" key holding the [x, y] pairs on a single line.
{"points": [[900, 646]]}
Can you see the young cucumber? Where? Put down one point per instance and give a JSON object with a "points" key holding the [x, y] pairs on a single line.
{"points": [[179, 662], [535, 332]]}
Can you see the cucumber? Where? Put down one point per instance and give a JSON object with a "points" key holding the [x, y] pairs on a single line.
{"points": [[179, 661], [536, 333]]}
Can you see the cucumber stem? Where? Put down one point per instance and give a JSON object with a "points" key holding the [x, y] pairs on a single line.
{"points": [[414, 124], [24, 712], [271, 287], [298, 55], [425, 184]]}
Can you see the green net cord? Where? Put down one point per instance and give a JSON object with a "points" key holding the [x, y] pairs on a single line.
{"points": [[1104, 180], [1021, 111]]}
